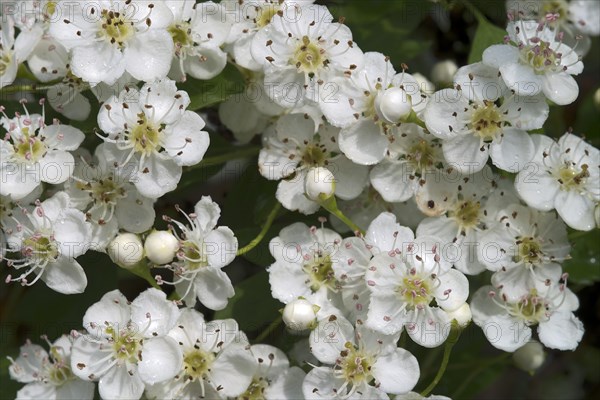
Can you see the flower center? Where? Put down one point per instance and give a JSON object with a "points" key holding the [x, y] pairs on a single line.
{"points": [[320, 272], [315, 155], [256, 390], [40, 247], [559, 7], [308, 56], [195, 258], [423, 155], [540, 56], [415, 291], [354, 365], [466, 214], [115, 28], [181, 34], [266, 13], [145, 137], [571, 177], [528, 251], [126, 346], [58, 372], [486, 121], [105, 191], [197, 363], [531, 309]]}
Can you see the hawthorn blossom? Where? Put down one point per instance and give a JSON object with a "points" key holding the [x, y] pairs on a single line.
{"points": [[507, 324], [126, 345], [536, 61], [359, 363], [204, 249], [48, 375], [112, 37], [47, 242], [565, 176], [33, 152], [152, 130]]}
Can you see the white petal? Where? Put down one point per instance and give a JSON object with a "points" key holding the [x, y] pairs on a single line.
{"points": [[98, 63], [153, 314], [40, 390], [440, 113], [56, 167], [521, 78], [213, 288], [220, 247], [287, 281], [560, 87], [459, 286], [563, 331], [287, 386], [396, 372], [87, 358], [112, 307], [65, 276], [162, 177], [119, 384], [290, 194], [329, 338], [161, 360], [392, 182], [466, 153], [233, 369], [148, 56], [429, 329], [350, 179], [207, 213], [576, 210], [75, 390], [363, 142], [500, 54], [514, 150], [385, 234], [63, 137], [209, 63]]}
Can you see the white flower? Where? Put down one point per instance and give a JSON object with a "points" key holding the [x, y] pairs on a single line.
{"points": [[273, 379], [126, 344], [48, 376], [565, 176], [293, 147], [536, 62], [362, 364], [152, 130], [507, 324], [48, 240], [301, 50], [108, 199], [303, 266], [405, 278], [482, 118], [248, 17], [115, 36], [33, 152], [319, 182], [204, 249], [217, 362], [414, 160], [366, 106], [524, 249], [462, 201], [198, 32], [529, 357]]}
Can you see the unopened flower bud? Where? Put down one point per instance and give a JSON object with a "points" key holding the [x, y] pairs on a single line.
{"points": [[529, 357], [393, 105], [300, 315], [319, 181], [443, 72], [462, 315], [126, 250], [161, 246]]}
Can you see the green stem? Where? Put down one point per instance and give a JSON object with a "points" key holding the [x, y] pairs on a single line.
{"points": [[263, 231], [25, 73], [24, 88], [331, 205], [243, 152], [268, 330], [413, 118], [141, 269], [450, 342]]}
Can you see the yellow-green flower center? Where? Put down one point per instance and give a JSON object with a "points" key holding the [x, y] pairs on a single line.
{"points": [[529, 251], [197, 363], [40, 247], [195, 258], [145, 136], [115, 27], [531, 309], [486, 121], [540, 57], [320, 272], [308, 56], [265, 14], [422, 156], [256, 390], [181, 34], [126, 345], [415, 291], [466, 214], [570, 177], [315, 155], [354, 366], [105, 191]]}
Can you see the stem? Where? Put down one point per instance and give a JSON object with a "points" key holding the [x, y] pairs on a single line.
{"points": [[413, 118], [223, 158], [268, 330], [331, 205], [263, 231], [24, 88], [142, 270], [450, 342]]}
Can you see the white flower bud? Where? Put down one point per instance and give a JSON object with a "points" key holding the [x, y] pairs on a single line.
{"points": [[318, 181], [161, 246], [126, 250], [529, 357], [462, 315], [300, 315], [393, 105], [443, 72]]}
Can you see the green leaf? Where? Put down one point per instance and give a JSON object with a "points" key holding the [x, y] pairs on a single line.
{"points": [[583, 268], [486, 35], [207, 93], [252, 306]]}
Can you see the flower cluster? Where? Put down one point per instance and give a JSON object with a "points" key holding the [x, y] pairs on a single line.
{"points": [[436, 187]]}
